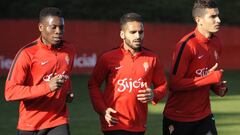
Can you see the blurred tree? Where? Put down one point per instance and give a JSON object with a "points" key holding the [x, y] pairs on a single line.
{"points": [[152, 10]]}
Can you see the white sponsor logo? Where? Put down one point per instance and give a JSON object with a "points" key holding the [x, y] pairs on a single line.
{"points": [[85, 61], [201, 56], [128, 83], [202, 71], [118, 67], [47, 78], [44, 62], [5, 63]]}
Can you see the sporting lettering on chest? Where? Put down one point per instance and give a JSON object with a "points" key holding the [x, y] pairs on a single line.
{"points": [[131, 76]]}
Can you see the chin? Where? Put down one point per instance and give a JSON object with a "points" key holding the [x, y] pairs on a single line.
{"points": [[138, 48]]}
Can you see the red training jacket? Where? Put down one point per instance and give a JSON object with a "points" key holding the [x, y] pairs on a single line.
{"points": [[27, 82], [124, 75], [190, 82]]}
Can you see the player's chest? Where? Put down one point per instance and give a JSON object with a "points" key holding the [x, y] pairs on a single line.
{"points": [[203, 59], [205, 55], [47, 62], [131, 68]]}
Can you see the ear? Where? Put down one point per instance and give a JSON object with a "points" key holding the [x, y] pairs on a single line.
{"points": [[198, 20], [40, 27], [122, 35]]}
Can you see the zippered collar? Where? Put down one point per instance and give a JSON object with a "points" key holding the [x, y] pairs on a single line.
{"points": [[127, 52], [49, 46], [202, 38]]}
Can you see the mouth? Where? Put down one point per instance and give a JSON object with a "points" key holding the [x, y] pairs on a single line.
{"points": [[137, 41], [57, 39], [217, 26]]}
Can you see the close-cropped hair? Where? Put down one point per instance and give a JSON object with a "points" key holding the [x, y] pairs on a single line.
{"points": [[49, 11], [130, 17], [200, 5]]}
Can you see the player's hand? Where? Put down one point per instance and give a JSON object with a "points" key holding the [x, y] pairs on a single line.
{"points": [[213, 68], [56, 82], [222, 88], [145, 96], [109, 117], [70, 97]]}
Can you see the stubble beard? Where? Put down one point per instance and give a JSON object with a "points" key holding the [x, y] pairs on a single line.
{"points": [[137, 48]]}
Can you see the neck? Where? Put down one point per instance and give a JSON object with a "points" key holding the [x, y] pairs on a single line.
{"points": [[204, 32], [45, 42], [132, 51]]}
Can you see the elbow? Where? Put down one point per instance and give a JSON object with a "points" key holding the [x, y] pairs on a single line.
{"points": [[7, 97]]}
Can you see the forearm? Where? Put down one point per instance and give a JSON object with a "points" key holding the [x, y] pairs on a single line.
{"points": [[186, 84], [15, 92]]}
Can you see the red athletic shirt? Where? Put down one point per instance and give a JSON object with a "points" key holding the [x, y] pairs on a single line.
{"points": [[27, 82], [190, 83], [124, 75]]}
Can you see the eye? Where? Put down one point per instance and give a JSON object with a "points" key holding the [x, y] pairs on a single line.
{"points": [[214, 16], [61, 27], [53, 26], [141, 32], [132, 32]]}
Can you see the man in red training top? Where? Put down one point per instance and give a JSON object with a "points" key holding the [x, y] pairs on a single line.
{"points": [[39, 79], [128, 72], [193, 74]]}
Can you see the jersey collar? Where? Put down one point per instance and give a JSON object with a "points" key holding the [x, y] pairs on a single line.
{"points": [[128, 52], [48, 46], [202, 38]]}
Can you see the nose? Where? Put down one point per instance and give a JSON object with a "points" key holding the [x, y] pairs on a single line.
{"points": [[138, 35], [218, 20], [59, 30]]}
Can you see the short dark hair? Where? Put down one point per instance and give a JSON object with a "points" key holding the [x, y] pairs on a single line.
{"points": [[200, 5], [130, 17], [49, 11]]}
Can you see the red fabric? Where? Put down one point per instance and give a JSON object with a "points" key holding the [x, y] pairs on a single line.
{"points": [[124, 75], [32, 68], [190, 82]]}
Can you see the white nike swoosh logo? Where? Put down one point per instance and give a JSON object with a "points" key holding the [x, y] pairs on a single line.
{"points": [[44, 62], [118, 67], [199, 57]]}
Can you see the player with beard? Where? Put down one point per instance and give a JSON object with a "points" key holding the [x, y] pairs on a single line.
{"points": [[39, 79], [194, 73], [128, 72]]}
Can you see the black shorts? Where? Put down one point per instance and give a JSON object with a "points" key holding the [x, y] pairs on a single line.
{"points": [[58, 130], [122, 132], [205, 126]]}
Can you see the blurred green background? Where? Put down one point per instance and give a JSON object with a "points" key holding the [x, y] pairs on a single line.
{"points": [[84, 121], [164, 11]]}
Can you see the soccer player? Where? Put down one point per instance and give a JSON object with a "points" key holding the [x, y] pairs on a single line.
{"points": [[39, 79], [194, 73], [128, 72]]}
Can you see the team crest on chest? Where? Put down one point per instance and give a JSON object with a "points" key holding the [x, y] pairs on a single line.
{"points": [[216, 55], [67, 59], [145, 66]]}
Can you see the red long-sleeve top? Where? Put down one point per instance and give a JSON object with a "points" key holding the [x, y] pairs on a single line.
{"points": [[33, 66], [190, 82], [124, 75]]}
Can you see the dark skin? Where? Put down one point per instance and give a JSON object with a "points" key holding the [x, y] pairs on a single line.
{"points": [[52, 30]]}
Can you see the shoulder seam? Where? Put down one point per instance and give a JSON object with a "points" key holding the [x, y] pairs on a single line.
{"points": [[180, 53], [17, 55]]}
